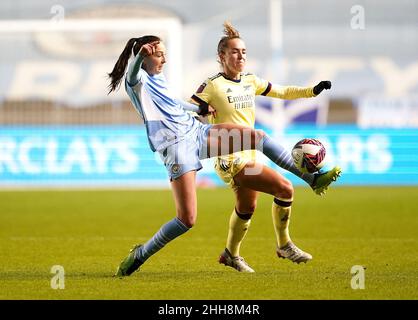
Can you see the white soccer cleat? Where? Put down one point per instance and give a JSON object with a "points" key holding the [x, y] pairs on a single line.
{"points": [[238, 263], [293, 253]]}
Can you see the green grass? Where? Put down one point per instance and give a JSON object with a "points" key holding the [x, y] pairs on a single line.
{"points": [[89, 232]]}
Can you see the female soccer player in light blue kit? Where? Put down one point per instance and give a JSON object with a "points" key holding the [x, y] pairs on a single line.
{"points": [[180, 139]]}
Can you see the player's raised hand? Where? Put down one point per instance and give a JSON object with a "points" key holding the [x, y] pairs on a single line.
{"points": [[321, 86], [148, 49]]}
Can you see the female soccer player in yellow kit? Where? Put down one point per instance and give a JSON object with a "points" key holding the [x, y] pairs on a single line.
{"points": [[232, 94]]}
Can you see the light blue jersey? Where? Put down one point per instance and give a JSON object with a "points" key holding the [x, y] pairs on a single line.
{"points": [[165, 118]]}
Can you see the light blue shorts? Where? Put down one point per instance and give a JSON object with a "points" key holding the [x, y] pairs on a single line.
{"points": [[185, 155]]}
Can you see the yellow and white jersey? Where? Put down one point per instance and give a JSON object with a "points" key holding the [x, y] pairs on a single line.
{"points": [[234, 102]]}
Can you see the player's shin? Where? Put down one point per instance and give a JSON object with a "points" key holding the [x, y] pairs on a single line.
{"points": [[238, 227], [280, 156], [281, 210], [167, 233]]}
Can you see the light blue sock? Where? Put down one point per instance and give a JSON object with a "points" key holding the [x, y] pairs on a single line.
{"points": [[167, 232], [280, 156]]}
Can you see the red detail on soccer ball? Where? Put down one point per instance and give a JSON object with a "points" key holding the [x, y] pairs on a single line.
{"points": [[309, 155]]}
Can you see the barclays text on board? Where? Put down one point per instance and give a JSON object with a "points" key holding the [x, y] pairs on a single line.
{"points": [[120, 156]]}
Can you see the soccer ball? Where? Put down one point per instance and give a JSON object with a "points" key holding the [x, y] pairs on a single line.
{"points": [[309, 155]]}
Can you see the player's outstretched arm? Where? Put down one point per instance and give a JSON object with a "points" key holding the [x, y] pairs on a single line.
{"points": [[200, 110], [188, 106], [295, 92]]}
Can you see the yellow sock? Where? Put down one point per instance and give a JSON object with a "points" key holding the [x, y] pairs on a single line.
{"points": [[238, 227], [281, 210]]}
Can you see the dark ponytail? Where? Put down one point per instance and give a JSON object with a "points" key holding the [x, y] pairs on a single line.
{"points": [[119, 69]]}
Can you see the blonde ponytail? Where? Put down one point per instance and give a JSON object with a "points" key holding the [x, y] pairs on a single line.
{"points": [[230, 33]]}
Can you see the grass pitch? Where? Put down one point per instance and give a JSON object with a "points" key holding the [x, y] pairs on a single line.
{"points": [[89, 232]]}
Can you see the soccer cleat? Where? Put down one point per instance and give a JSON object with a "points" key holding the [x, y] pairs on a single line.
{"points": [[293, 253], [238, 263], [130, 264], [323, 180]]}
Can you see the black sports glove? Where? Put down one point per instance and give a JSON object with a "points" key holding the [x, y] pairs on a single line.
{"points": [[321, 86], [203, 110]]}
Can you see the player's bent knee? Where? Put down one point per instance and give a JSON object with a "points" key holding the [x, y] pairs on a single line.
{"points": [[285, 190]]}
